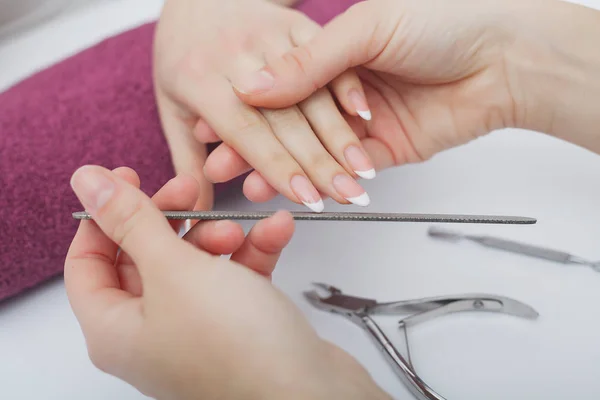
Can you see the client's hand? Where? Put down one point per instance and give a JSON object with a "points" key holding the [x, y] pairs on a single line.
{"points": [[178, 322], [437, 74], [302, 151]]}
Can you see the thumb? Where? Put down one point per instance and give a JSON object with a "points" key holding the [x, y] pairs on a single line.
{"points": [[353, 38], [129, 218]]}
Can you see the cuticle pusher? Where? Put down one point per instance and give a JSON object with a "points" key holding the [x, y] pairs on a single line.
{"points": [[514, 247]]}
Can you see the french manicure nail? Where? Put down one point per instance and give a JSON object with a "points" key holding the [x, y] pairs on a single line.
{"points": [[254, 83], [93, 188], [349, 189], [306, 193], [360, 162], [360, 104]]}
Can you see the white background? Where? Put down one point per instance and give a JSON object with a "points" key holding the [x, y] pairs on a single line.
{"points": [[464, 356]]}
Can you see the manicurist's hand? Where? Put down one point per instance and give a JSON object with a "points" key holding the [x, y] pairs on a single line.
{"points": [[176, 320], [438, 74], [302, 151]]}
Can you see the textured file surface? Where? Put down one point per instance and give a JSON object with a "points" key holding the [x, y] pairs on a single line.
{"points": [[343, 216]]}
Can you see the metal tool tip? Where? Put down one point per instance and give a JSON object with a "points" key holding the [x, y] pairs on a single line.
{"points": [[314, 299], [81, 215], [326, 287], [532, 314], [519, 309]]}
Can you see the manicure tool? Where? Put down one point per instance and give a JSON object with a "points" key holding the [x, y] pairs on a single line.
{"points": [[341, 216], [514, 247], [359, 311]]}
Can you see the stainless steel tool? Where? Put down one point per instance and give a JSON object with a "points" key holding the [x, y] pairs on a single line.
{"points": [[342, 216], [359, 310], [515, 247]]}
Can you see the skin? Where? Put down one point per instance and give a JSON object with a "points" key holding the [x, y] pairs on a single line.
{"points": [[150, 313], [200, 47], [173, 320], [438, 75]]}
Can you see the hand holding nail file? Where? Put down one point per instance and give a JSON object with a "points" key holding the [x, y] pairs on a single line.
{"points": [[342, 216]]}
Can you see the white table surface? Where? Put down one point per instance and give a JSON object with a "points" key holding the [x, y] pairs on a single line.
{"points": [[465, 356]]}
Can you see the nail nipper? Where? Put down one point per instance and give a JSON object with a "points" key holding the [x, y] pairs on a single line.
{"points": [[359, 311]]}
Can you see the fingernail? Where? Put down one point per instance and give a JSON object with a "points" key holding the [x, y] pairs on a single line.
{"points": [[360, 162], [349, 189], [92, 187], [255, 83], [307, 193], [360, 104]]}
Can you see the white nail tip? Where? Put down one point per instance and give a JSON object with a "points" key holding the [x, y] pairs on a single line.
{"points": [[316, 207], [370, 174], [362, 200], [366, 115]]}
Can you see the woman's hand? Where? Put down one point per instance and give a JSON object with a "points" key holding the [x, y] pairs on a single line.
{"points": [[438, 74], [175, 320], [303, 151], [433, 72]]}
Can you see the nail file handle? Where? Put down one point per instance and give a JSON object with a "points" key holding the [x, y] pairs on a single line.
{"points": [[523, 248]]}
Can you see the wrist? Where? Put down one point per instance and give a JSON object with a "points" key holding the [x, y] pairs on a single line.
{"points": [[553, 65], [334, 375], [326, 373]]}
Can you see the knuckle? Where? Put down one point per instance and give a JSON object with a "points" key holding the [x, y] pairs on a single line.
{"points": [[278, 159], [321, 161], [247, 122], [286, 119], [303, 34], [193, 66], [300, 58]]}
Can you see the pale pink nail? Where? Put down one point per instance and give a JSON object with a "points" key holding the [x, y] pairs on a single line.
{"points": [[360, 104], [254, 83], [350, 190], [306, 193], [92, 187], [360, 162]]}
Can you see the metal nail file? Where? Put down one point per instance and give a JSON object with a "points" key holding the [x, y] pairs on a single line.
{"points": [[342, 216]]}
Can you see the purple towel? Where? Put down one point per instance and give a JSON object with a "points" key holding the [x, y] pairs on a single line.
{"points": [[96, 107]]}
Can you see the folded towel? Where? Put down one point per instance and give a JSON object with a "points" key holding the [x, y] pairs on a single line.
{"points": [[96, 107]]}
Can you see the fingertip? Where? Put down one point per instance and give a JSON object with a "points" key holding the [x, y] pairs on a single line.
{"points": [[257, 189], [279, 85], [128, 175], [224, 164], [185, 184], [217, 237], [286, 226], [204, 133], [348, 90], [227, 237], [272, 234], [285, 219]]}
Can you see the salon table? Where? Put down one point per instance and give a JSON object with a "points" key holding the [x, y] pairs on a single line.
{"points": [[469, 356]]}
